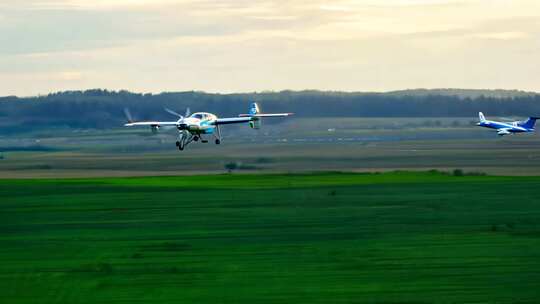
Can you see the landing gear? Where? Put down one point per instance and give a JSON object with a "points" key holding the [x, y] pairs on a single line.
{"points": [[184, 138], [180, 145], [218, 135]]}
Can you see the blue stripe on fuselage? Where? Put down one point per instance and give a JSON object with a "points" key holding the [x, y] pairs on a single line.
{"points": [[210, 128], [500, 125]]}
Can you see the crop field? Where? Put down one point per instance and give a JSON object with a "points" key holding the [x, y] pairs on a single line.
{"points": [[422, 237]]}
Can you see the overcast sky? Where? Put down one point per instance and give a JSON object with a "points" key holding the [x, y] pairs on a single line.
{"points": [[256, 45]]}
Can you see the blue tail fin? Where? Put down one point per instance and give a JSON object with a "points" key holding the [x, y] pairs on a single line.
{"points": [[529, 124]]}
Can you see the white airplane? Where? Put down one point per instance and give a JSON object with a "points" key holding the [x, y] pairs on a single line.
{"points": [[192, 127]]}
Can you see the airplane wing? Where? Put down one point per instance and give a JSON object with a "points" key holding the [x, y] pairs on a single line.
{"points": [[502, 132], [151, 123], [266, 115], [247, 118], [227, 121]]}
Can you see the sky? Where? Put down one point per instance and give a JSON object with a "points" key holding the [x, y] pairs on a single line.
{"points": [[261, 45]]}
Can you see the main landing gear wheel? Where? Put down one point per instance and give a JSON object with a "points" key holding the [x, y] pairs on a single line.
{"points": [[196, 138], [218, 141], [180, 145]]}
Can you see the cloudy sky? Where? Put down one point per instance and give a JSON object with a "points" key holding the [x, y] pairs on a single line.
{"points": [[256, 45]]}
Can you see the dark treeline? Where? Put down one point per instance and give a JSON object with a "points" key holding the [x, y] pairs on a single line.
{"points": [[104, 109]]}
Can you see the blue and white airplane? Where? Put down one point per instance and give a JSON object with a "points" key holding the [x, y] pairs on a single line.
{"points": [[191, 127], [506, 128]]}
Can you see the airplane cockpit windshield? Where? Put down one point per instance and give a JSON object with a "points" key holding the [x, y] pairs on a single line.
{"points": [[198, 116]]}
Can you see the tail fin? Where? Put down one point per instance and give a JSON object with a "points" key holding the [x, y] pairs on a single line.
{"points": [[255, 123], [256, 116], [481, 117], [254, 109], [529, 124]]}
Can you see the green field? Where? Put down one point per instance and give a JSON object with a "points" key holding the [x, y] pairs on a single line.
{"points": [[311, 238]]}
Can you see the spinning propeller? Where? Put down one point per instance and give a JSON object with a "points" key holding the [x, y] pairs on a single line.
{"points": [[181, 118], [188, 112], [128, 115]]}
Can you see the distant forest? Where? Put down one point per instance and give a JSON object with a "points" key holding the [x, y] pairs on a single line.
{"points": [[104, 109]]}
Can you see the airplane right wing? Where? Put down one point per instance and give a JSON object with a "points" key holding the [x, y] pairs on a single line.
{"points": [[247, 118], [228, 121], [266, 115]]}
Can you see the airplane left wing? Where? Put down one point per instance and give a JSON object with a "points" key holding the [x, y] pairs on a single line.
{"points": [[502, 132]]}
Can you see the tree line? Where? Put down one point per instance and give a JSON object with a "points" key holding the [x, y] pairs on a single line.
{"points": [[105, 109]]}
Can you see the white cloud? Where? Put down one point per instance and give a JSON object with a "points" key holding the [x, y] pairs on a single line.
{"points": [[69, 75], [243, 45], [86, 4], [501, 35]]}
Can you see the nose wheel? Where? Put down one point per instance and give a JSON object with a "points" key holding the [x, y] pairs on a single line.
{"points": [[183, 140], [180, 145]]}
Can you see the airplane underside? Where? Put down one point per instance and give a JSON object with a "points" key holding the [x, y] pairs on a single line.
{"points": [[509, 132], [186, 137]]}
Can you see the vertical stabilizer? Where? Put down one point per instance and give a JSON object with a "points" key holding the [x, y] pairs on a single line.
{"points": [[481, 117], [254, 109], [255, 123], [529, 124]]}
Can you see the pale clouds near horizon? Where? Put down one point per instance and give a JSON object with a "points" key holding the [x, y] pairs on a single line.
{"points": [[241, 45]]}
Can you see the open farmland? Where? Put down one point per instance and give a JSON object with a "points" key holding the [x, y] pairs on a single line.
{"points": [[311, 238], [295, 145]]}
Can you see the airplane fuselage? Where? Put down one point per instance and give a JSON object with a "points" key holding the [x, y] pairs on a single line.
{"points": [[199, 123], [510, 127]]}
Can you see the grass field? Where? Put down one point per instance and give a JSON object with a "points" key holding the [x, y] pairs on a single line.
{"points": [[311, 238]]}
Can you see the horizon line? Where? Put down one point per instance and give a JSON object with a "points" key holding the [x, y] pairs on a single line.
{"points": [[39, 95]]}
